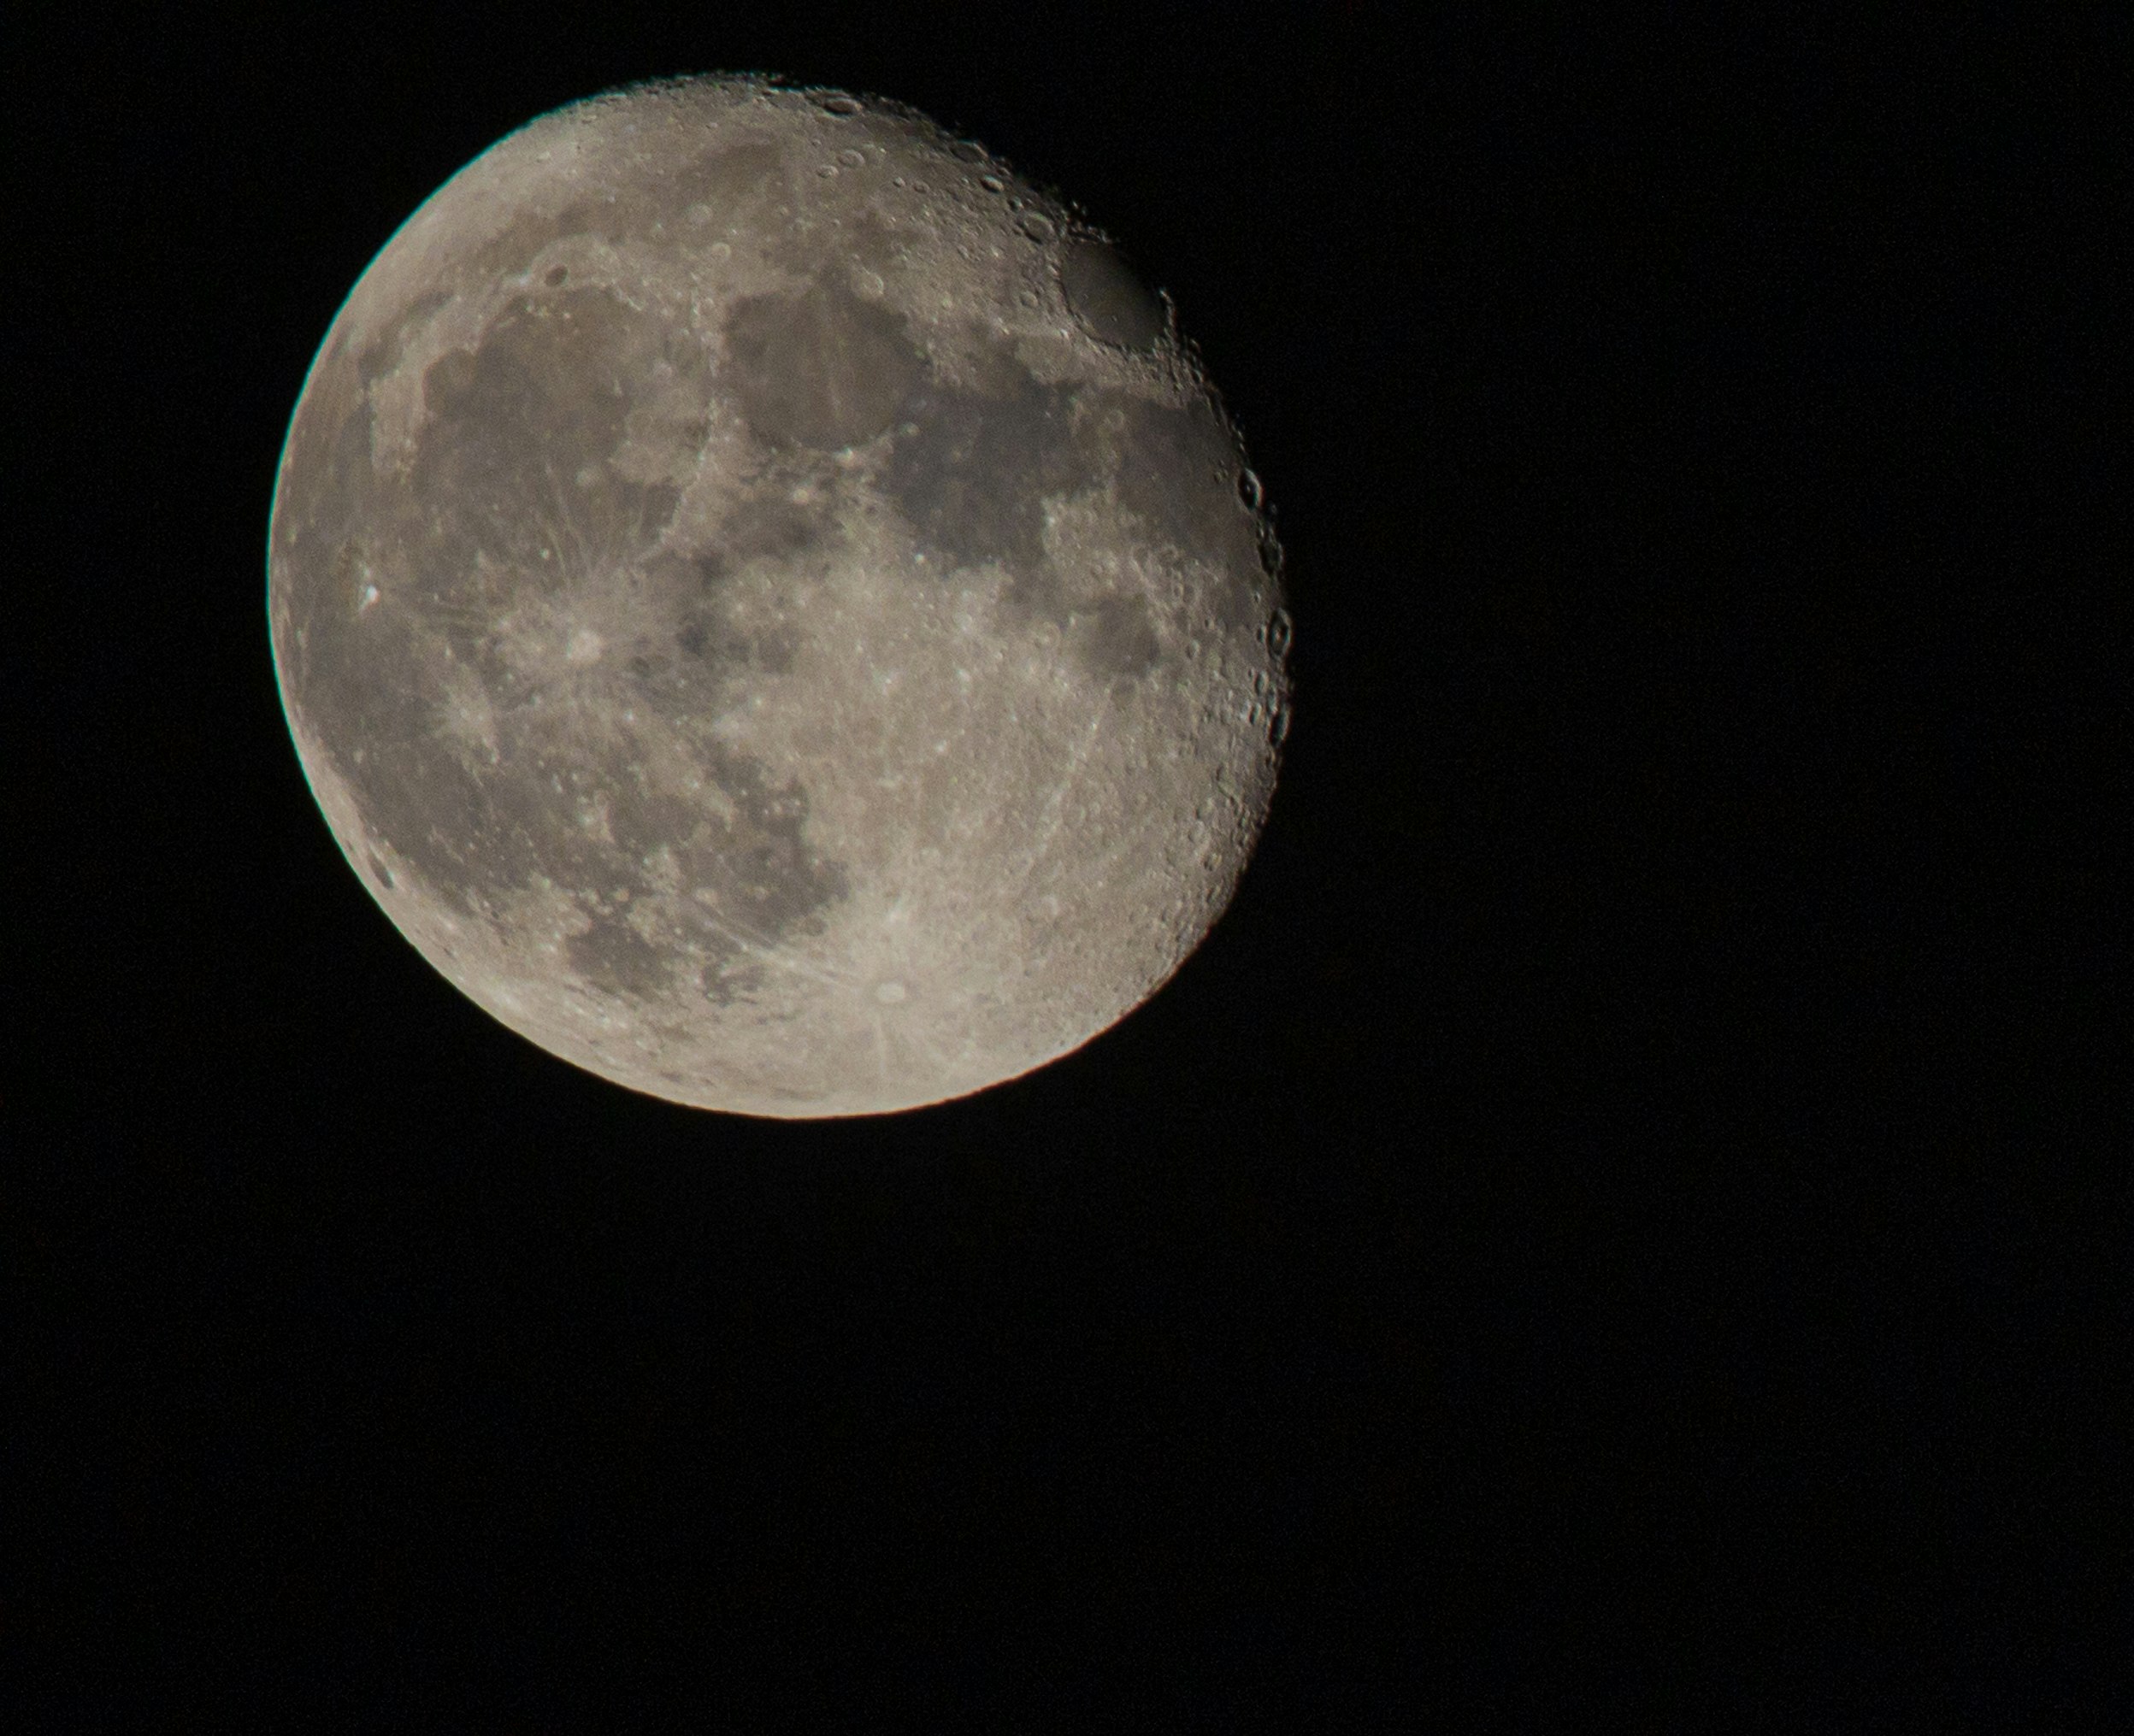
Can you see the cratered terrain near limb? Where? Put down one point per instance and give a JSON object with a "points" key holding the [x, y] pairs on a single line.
{"points": [[771, 608]]}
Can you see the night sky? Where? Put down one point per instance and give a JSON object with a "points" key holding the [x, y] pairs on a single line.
{"points": [[1590, 1227]]}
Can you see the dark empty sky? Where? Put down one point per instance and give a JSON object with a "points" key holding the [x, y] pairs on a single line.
{"points": [[1584, 1227]]}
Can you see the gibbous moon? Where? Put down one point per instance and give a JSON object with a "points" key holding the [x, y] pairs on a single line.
{"points": [[770, 606]]}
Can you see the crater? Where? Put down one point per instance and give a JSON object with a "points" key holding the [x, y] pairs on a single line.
{"points": [[1108, 295]]}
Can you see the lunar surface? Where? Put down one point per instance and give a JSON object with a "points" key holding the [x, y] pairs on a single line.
{"points": [[770, 606]]}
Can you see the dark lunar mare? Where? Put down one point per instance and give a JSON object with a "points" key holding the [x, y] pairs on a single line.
{"points": [[971, 466], [822, 369], [969, 469], [972, 461], [511, 462]]}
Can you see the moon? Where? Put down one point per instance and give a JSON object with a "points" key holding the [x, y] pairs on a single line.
{"points": [[771, 608]]}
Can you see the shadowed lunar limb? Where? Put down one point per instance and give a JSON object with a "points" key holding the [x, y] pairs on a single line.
{"points": [[768, 608], [1108, 297]]}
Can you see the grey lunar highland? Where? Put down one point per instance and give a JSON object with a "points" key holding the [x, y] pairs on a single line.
{"points": [[771, 608]]}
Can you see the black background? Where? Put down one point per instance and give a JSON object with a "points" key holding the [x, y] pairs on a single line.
{"points": [[1587, 1228]]}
